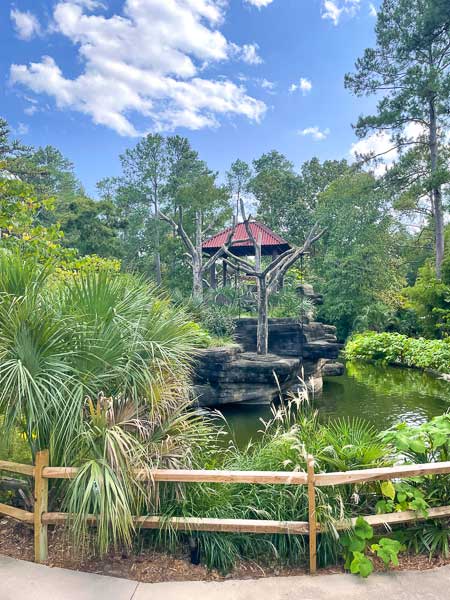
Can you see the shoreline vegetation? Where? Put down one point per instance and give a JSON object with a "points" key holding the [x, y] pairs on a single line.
{"points": [[395, 349]]}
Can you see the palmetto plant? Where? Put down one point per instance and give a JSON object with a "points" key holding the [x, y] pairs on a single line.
{"points": [[113, 339]]}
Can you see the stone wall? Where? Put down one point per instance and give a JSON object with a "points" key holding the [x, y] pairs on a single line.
{"points": [[236, 374]]}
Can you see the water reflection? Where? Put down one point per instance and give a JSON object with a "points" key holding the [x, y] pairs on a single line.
{"points": [[382, 395]]}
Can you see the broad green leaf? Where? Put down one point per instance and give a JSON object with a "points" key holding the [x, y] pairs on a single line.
{"points": [[362, 529], [388, 489]]}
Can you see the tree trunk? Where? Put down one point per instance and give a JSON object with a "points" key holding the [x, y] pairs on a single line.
{"points": [[197, 279], [262, 336], [436, 192], [197, 262], [157, 239]]}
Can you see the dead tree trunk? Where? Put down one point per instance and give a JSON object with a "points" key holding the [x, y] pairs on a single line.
{"points": [[268, 279], [195, 250], [262, 336]]}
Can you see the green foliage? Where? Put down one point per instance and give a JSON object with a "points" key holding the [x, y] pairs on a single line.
{"points": [[429, 442], [398, 349], [430, 298], [357, 265], [287, 302], [430, 537], [388, 550], [90, 226], [218, 320], [356, 546], [19, 227], [97, 335]]}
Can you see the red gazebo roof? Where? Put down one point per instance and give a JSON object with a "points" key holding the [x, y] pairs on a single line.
{"points": [[270, 241]]}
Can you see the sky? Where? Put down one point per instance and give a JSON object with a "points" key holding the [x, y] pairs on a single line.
{"points": [[237, 77]]}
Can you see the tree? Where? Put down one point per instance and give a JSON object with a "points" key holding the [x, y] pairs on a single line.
{"points": [[361, 266], [20, 230], [146, 167], [410, 67], [90, 226], [11, 151], [276, 188], [198, 207], [238, 179], [52, 174], [267, 277]]}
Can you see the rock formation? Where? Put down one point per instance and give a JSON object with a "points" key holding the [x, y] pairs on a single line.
{"points": [[236, 374]]}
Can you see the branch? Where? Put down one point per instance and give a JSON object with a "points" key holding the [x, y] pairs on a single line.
{"points": [[179, 230], [246, 267], [221, 251], [280, 268]]}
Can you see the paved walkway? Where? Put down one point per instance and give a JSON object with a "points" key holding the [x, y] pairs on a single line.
{"points": [[21, 580]]}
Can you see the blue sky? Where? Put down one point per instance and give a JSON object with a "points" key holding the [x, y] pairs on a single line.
{"points": [[237, 77]]}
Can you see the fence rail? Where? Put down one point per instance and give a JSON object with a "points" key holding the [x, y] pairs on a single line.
{"points": [[42, 473]]}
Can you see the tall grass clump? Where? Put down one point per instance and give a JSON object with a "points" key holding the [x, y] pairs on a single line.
{"points": [[292, 433]]}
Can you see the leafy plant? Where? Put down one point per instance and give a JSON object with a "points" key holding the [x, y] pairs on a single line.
{"points": [[398, 349], [106, 336], [388, 549], [356, 545]]}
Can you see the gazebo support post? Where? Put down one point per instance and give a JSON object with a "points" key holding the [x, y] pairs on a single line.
{"points": [[224, 273], [213, 277]]}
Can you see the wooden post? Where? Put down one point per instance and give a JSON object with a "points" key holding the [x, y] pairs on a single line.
{"points": [[40, 507], [224, 272], [213, 277], [312, 517]]}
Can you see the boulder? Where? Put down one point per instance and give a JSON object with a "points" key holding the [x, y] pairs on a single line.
{"points": [[333, 369], [298, 352]]}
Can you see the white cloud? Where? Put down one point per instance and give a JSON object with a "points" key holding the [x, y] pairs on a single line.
{"points": [[267, 85], [30, 110], [21, 129], [162, 84], [372, 10], [25, 23], [304, 85], [259, 3], [334, 9], [316, 133], [249, 54]]}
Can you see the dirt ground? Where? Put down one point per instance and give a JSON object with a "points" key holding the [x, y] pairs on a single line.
{"points": [[16, 540]]}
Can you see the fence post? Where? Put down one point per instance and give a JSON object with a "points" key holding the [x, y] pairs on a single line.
{"points": [[40, 507], [312, 516]]}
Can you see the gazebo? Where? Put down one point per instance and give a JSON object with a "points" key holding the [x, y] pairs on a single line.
{"points": [[272, 244]]}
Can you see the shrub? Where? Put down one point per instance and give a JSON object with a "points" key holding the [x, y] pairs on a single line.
{"points": [[398, 349]]}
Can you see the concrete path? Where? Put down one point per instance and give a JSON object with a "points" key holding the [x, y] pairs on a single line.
{"points": [[21, 580]]}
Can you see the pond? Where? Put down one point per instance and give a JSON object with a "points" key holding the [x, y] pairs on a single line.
{"points": [[382, 395]]}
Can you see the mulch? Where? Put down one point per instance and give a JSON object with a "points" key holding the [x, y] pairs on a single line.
{"points": [[149, 566]]}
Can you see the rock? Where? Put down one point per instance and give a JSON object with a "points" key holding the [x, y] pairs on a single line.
{"points": [[249, 378], [236, 374], [333, 369], [307, 291], [287, 337], [298, 353]]}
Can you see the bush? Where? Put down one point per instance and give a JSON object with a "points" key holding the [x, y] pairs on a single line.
{"points": [[289, 303], [218, 320], [398, 349]]}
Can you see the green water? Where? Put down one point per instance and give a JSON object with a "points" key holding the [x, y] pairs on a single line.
{"points": [[382, 395]]}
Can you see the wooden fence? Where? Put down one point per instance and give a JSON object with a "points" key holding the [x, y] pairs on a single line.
{"points": [[42, 472]]}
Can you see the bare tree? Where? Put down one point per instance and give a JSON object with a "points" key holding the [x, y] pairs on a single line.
{"points": [[195, 249], [267, 280]]}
